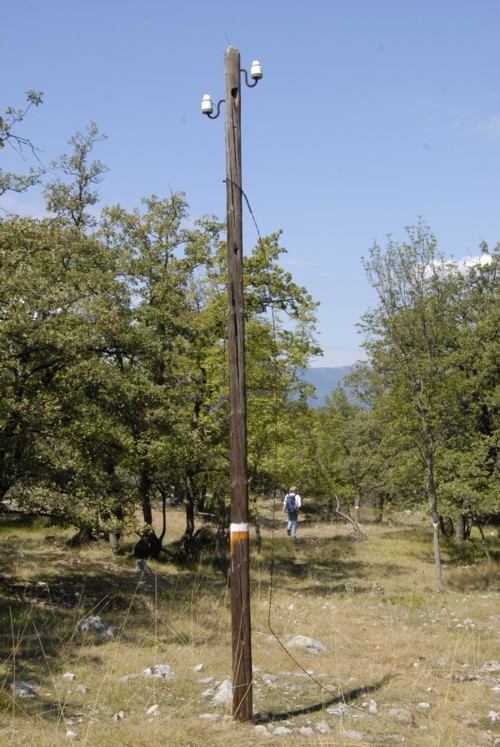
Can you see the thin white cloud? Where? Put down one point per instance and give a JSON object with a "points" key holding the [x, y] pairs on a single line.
{"points": [[465, 263], [467, 122]]}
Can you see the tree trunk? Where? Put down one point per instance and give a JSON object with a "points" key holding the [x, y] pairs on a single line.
{"points": [[222, 553], [461, 529], [83, 537], [145, 493], [189, 509], [437, 558], [187, 538], [433, 505], [149, 545], [378, 508], [446, 526], [462, 532], [114, 541], [357, 507], [258, 535], [483, 540]]}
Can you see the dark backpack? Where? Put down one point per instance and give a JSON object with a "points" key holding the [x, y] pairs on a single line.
{"points": [[291, 504]]}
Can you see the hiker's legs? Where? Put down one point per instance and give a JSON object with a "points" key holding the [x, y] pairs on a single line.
{"points": [[292, 523]]}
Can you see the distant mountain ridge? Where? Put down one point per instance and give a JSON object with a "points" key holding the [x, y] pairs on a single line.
{"points": [[325, 380]]}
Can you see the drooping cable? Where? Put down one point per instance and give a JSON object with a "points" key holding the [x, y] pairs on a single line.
{"points": [[274, 389]]}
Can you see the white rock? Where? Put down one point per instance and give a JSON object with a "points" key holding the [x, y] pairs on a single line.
{"points": [[323, 728], [304, 731], [354, 735], [153, 710], [209, 716], [24, 689], [269, 678], [127, 677], [262, 730], [69, 676], [282, 731], [401, 715], [330, 688], [198, 668], [82, 689], [93, 622], [224, 693], [71, 734], [339, 711], [424, 705], [119, 716], [160, 672], [491, 666], [494, 716], [309, 644]]}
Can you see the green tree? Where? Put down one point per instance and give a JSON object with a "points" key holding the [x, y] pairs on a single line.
{"points": [[411, 337], [472, 466], [162, 262], [126, 317], [280, 341], [71, 197], [52, 285]]}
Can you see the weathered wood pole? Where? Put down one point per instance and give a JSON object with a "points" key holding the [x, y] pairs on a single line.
{"points": [[240, 551]]}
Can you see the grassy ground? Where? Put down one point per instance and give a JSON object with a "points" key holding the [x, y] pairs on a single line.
{"points": [[402, 664]]}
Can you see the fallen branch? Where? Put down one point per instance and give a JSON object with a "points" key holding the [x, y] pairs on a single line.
{"points": [[357, 530]]}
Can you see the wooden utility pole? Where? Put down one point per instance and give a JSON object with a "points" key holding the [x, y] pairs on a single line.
{"points": [[240, 550]]}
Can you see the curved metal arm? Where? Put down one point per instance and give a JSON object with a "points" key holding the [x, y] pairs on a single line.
{"points": [[255, 80], [214, 116]]}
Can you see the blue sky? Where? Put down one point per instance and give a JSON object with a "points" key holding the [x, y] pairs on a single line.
{"points": [[371, 114]]}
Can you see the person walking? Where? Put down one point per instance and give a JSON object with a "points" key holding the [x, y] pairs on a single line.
{"points": [[292, 505]]}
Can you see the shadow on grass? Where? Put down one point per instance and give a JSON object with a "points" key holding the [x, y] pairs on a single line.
{"points": [[320, 566], [470, 551], [266, 717], [47, 588], [412, 534]]}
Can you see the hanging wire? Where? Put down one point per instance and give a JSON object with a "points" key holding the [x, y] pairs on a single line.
{"points": [[275, 469], [230, 181]]}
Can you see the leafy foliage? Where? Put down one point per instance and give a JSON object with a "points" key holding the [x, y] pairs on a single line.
{"points": [[9, 136], [114, 359]]}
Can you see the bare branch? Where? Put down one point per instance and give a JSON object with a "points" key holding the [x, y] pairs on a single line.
{"points": [[358, 532]]}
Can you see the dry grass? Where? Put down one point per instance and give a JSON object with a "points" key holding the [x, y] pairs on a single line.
{"points": [[392, 642]]}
